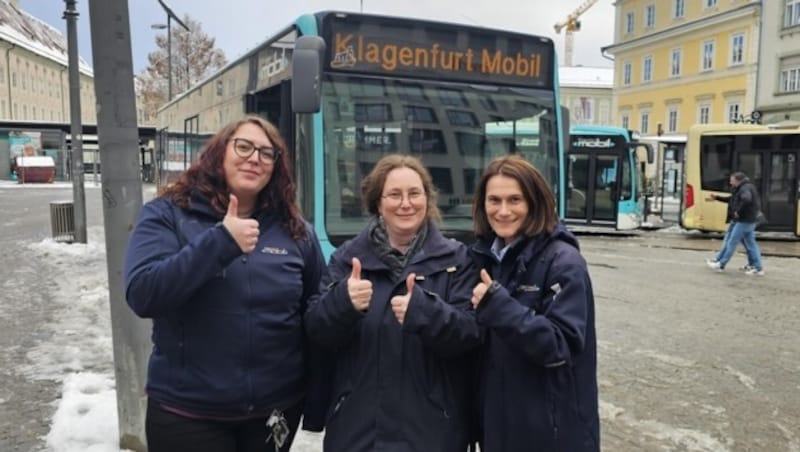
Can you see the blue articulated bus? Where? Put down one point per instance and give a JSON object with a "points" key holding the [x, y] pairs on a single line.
{"points": [[363, 86], [604, 178]]}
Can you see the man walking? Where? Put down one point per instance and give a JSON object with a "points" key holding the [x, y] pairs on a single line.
{"points": [[743, 208]]}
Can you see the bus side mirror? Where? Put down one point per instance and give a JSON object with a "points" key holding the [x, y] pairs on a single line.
{"points": [[650, 154], [307, 74]]}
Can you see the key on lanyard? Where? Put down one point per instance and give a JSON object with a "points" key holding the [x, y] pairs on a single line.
{"points": [[278, 428]]}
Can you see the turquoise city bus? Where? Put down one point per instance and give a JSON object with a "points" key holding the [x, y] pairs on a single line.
{"points": [[364, 86], [346, 88], [604, 177]]}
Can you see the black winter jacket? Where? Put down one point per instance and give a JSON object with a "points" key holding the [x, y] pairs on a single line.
{"points": [[399, 388], [743, 203], [538, 378]]}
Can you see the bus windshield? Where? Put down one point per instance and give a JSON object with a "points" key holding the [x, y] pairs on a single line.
{"points": [[457, 129]]}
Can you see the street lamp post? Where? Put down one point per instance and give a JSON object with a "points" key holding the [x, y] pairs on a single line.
{"points": [[170, 15]]}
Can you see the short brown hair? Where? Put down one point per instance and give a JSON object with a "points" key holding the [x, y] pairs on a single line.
{"points": [[372, 185], [542, 216]]}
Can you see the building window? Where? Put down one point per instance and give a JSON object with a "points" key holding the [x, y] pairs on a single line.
{"points": [[704, 114], [644, 123], [737, 49], [220, 88], [791, 16], [672, 120], [708, 56], [625, 121], [733, 112], [790, 79], [629, 23], [711, 3], [675, 66], [679, 9], [626, 73], [650, 16], [647, 69]]}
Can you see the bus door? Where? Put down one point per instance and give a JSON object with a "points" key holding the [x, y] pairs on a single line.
{"points": [[774, 173], [593, 187]]}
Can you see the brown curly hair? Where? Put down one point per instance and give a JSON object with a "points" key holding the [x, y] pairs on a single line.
{"points": [[207, 177]]}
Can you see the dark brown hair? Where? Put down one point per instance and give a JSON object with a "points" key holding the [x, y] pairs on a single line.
{"points": [[207, 177], [542, 216], [372, 185]]}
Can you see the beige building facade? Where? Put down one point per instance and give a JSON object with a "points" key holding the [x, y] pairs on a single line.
{"points": [[778, 90], [587, 92], [684, 62], [34, 75]]}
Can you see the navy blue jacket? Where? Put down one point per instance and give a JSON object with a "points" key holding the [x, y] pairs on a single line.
{"points": [[538, 376], [400, 388], [228, 336]]}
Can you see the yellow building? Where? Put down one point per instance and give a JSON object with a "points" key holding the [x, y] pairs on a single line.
{"points": [[683, 62]]}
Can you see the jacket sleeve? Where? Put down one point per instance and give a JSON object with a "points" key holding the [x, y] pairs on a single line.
{"points": [[552, 337], [320, 362], [331, 317], [725, 199], [161, 272], [446, 325]]}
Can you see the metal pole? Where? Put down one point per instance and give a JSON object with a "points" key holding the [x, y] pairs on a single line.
{"points": [[76, 129], [169, 55], [118, 139]]}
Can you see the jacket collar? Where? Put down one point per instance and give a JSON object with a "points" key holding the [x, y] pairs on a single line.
{"points": [[434, 246]]}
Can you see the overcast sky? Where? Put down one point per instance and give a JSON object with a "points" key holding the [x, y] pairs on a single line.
{"points": [[240, 25]]}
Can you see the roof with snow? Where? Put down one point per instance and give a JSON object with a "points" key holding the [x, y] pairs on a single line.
{"points": [[23, 30], [586, 77]]}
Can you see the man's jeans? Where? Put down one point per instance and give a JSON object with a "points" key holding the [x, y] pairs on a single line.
{"points": [[740, 232]]}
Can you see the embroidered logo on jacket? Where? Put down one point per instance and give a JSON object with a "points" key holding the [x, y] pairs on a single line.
{"points": [[527, 288], [274, 250]]}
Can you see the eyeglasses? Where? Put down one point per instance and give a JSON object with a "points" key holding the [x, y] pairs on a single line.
{"points": [[245, 148], [396, 197]]}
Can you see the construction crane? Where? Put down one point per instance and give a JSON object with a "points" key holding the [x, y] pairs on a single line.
{"points": [[570, 25]]}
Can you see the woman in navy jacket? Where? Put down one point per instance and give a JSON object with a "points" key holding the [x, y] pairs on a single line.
{"points": [[224, 265], [396, 312], [538, 375]]}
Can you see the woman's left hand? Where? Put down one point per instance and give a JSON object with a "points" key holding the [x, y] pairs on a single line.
{"points": [[400, 302], [480, 289]]}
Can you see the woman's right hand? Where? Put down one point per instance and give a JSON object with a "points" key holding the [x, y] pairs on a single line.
{"points": [[360, 290], [243, 230]]}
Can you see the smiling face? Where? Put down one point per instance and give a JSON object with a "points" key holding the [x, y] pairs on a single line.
{"points": [[247, 176], [403, 203], [506, 207]]}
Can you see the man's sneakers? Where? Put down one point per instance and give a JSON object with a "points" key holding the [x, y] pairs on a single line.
{"points": [[747, 269], [752, 271]]}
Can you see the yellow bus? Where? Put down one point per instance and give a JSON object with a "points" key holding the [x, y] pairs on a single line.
{"points": [[768, 155]]}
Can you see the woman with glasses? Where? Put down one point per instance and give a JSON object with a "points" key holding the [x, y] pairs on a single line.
{"points": [[538, 369], [395, 310], [224, 264]]}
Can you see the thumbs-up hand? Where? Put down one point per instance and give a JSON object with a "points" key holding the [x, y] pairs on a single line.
{"points": [[360, 290], [243, 230], [480, 290], [400, 302]]}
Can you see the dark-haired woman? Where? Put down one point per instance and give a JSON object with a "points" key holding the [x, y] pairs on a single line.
{"points": [[538, 384], [224, 265]]}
